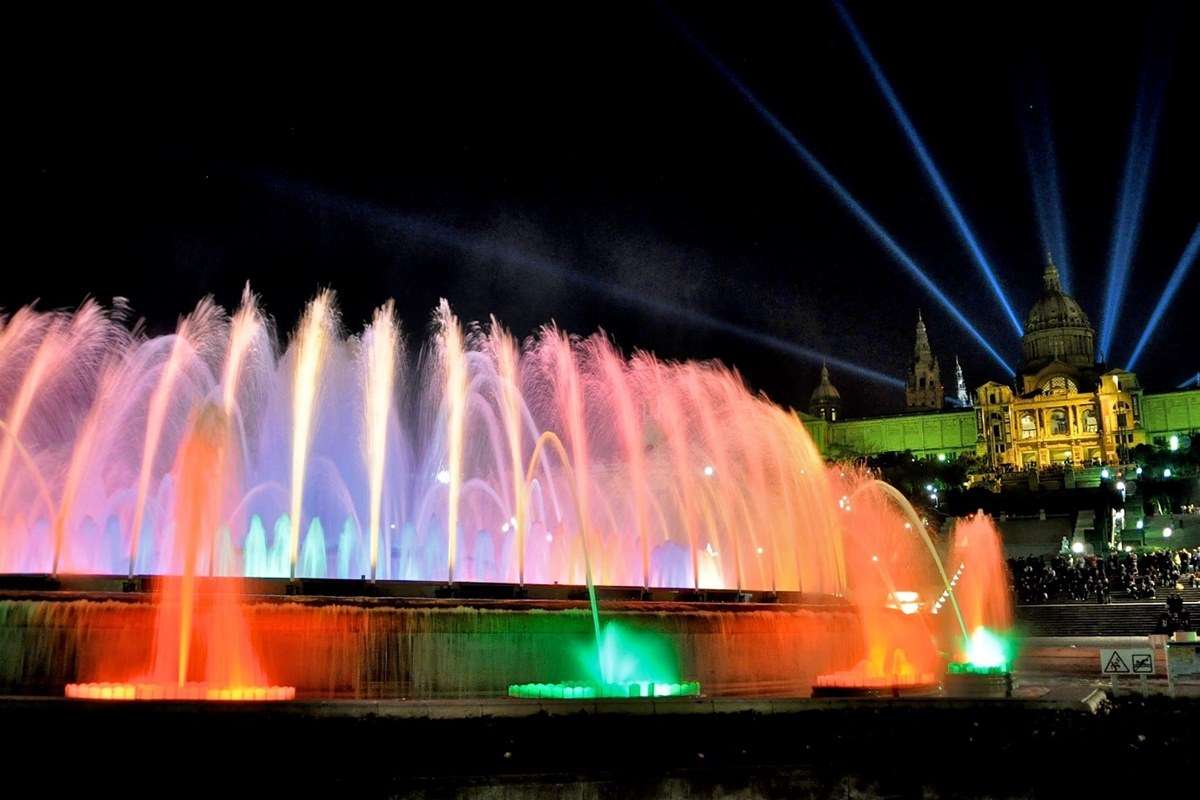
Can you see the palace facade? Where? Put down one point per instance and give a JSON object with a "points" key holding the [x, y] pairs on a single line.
{"points": [[1062, 408]]}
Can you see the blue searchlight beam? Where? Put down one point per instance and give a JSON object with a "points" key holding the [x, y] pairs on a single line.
{"points": [[1173, 283], [889, 244], [482, 248], [931, 170]]}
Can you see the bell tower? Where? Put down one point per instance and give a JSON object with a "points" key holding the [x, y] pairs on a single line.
{"points": [[923, 390]]}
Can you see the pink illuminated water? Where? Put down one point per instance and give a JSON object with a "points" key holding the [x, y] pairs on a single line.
{"points": [[356, 458]]}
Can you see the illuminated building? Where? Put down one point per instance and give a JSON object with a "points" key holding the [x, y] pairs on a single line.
{"points": [[1064, 409], [923, 389]]}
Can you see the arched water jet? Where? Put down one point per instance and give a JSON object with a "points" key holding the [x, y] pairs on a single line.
{"points": [[550, 438], [911, 515]]}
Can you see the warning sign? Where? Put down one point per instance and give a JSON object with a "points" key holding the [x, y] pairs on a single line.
{"points": [[1114, 664], [1126, 662]]}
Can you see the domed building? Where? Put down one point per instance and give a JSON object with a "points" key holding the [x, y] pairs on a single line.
{"points": [[1056, 330], [826, 401], [1065, 408]]}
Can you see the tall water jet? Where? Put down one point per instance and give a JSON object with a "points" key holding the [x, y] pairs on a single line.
{"points": [[981, 588], [49, 354], [381, 345], [192, 331], [311, 344], [507, 355], [454, 366], [245, 328], [613, 377]]}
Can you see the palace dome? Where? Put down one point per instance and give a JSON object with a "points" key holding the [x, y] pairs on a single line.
{"points": [[1057, 328]]}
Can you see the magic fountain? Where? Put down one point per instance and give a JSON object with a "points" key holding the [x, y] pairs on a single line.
{"points": [[215, 462]]}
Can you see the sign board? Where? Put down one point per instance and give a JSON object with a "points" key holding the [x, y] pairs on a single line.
{"points": [[1183, 660], [1126, 662]]}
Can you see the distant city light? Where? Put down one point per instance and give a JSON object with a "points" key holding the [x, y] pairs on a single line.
{"points": [[1167, 533], [1141, 523], [1128, 549], [1139, 470], [941, 456], [1167, 472], [1104, 474], [1120, 486]]}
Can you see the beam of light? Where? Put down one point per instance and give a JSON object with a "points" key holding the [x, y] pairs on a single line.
{"points": [[931, 170], [484, 249], [1192, 382], [1042, 162], [1173, 283], [842, 194], [1127, 224]]}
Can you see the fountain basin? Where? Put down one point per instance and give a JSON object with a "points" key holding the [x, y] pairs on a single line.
{"points": [[574, 690], [409, 648], [188, 691]]}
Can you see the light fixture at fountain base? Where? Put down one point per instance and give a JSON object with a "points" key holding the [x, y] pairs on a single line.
{"points": [[572, 690], [187, 692]]}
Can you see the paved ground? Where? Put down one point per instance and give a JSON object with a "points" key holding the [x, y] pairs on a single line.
{"points": [[1045, 742]]}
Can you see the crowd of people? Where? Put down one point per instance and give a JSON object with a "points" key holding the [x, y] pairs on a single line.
{"points": [[1081, 577]]}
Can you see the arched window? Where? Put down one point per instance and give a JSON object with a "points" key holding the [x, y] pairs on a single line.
{"points": [[1059, 386], [1089, 421], [1028, 426], [1058, 422]]}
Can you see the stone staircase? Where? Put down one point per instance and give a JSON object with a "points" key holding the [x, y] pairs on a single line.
{"points": [[1092, 619]]}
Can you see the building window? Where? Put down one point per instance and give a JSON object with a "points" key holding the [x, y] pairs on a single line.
{"points": [[1058, 385], [992, 398], [1058, 422], [1028, 426], [1089, 421]]}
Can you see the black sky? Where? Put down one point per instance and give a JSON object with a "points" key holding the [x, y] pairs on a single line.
{"points": [[165, 164]]}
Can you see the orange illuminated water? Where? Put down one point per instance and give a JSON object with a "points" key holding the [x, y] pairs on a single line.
{"points": [[979, 574], [892, 581], [202, 648]]}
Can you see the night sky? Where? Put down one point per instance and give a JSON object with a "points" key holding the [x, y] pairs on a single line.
{"points": [[484, 156]]}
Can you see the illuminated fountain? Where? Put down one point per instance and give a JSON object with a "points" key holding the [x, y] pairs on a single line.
{"points": [[891, 574], [982, 661], [355, 460], [474, 459], [201, 648]]}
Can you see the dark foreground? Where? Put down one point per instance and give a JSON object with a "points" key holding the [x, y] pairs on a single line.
{"points": [[871, 748]]}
